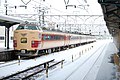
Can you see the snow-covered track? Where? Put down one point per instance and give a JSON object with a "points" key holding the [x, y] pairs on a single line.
{"points": [[99, 51]]}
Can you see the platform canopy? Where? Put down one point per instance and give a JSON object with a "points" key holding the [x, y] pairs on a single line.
{"points": [[111, 12], [9, 21]]}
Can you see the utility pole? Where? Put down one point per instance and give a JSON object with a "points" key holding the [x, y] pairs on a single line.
{"points": [[43, 21], [39, 15], [6, 7]]}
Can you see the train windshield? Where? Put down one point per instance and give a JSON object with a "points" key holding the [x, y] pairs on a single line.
{"points": [[28, 27]]}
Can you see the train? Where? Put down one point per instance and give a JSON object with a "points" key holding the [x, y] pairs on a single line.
{"points": [[30, 40]]}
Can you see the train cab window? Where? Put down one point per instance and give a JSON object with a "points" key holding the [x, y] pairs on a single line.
{"points": [[28, 27]]}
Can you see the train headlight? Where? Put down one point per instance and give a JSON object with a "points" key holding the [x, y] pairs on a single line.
{"points": [[32, 42]]}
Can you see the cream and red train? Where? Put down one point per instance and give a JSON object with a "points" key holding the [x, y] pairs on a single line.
{"points": [[30, 39]]}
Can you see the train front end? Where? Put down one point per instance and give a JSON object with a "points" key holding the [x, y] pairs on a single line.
{"points": [[27, 39]]}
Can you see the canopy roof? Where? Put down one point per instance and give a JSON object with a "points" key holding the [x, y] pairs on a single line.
{"points": [[9, 21], [111, 12]]}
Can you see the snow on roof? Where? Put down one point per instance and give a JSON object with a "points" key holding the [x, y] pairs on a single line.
{"points": [[10, 19]]}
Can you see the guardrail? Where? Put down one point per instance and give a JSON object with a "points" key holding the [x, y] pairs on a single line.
{"points": [[15, 74], [26, 74]]}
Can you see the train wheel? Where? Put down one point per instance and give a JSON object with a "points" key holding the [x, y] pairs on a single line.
{"points": [[49, 51], [58, 49], [45, 51]]}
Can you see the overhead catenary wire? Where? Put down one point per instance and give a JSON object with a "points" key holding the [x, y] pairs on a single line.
{"points": [[51, 7], [26, 2], [39, 3]]}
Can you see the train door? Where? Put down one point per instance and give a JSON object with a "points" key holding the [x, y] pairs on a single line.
{"points": [[40, 41], [66, 42]]}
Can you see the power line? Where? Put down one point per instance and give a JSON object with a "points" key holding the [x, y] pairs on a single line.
{"points": [[51, 6], [26, 2]]}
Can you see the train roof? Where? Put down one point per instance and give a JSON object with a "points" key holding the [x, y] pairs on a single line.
{"points": [[45, 29]]}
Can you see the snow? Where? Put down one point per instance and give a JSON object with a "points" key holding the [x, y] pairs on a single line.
{"points": [[11, 19], [84, 66], [107, 70], [80, 67]]}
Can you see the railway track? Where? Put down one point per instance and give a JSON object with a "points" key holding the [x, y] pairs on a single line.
{"points": [[35, 71], [28, 74], [85, 77], [67, 78]]}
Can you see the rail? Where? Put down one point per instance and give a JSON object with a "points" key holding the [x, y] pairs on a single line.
{"points": [[85, 62]]}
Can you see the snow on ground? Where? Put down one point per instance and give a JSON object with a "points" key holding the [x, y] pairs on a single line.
{"points": [[80, 55], [107, 70], [80, 67]]}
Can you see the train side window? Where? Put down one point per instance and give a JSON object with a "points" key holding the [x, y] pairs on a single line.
{"points": [[61, 38], [46, 37], [53, 37], [57, 37]]}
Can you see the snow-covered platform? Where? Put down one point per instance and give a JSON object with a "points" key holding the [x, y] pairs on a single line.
{"points": [[90, 62], [4, 49]]}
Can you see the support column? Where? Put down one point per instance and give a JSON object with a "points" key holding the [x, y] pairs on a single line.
{"points": [[8, 29], [5, 36]]}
